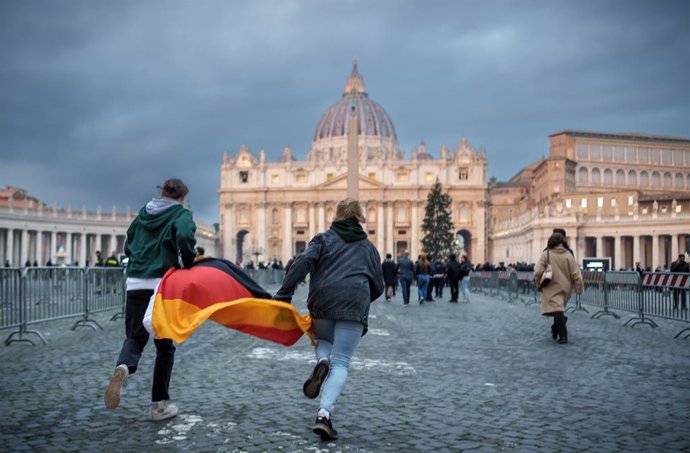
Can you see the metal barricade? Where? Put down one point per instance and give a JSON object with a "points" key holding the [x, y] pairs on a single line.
{"points": [[526, 287], [665, 295], [595, 293], [623, 293], [476, 282], [104, 290], [13, 306], [53, 293]]}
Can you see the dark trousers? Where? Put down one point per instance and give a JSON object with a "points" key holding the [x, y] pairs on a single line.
{"points": [[137, 337], [439, 282], [405, 284], [454, 290], [559, 322]]}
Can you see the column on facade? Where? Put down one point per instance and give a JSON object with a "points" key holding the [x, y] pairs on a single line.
{"points": [[380, 231], [113, 244], [655, 251], [24, 247], [617, 256], [390, 243], [636, 249], [53, 245], [82, 249], [322, 216], [261, 231], [600, 246], [674, 247], [312, 220], [288, 250], [414, 224], [227, 231]]}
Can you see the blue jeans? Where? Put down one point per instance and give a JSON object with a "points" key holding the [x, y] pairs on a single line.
{"points": [[422, 285], [465, 283], [405, 283], [336, 341]]}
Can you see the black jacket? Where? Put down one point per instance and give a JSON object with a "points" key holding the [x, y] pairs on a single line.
{"points": [[453, 271], [345, 278], [389, 269]]}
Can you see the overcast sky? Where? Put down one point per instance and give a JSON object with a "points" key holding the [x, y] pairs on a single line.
{"points": [[102, 100]]}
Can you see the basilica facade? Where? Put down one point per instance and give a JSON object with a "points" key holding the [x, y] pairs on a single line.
{"points": [[622, 196], [270, 210]]}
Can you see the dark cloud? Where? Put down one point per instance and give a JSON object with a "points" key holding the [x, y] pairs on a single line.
{"points": [[101, 101]]}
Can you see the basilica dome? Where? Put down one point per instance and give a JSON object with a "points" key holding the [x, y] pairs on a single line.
{"points": [[373, 119]]}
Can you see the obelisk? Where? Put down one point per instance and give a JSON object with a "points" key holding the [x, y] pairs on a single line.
{"points": [[353, 152]]}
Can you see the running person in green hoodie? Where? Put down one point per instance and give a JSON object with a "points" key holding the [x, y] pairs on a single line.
{"points": [[160, 237]]}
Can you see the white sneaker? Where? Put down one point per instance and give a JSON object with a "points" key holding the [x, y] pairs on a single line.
{"points": [[112, 393], [162, 410]]}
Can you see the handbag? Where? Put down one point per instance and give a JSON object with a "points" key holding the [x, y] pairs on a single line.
{"points": [[548, 273]]}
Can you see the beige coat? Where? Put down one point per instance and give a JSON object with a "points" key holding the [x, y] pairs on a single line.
{"points": [[566, 276]]}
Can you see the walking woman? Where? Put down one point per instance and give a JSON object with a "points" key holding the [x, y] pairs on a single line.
{"points": [[423, 271], [346, 277], [566, 277]]}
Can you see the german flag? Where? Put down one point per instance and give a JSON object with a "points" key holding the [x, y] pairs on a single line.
{"points": [[218, 290]]}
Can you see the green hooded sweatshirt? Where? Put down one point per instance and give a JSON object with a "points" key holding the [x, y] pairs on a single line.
{"points": [[163, 230]]}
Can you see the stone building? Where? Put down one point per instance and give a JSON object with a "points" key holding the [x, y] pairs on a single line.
{"points": [[31, 231], [623, 196], [270, 210]]}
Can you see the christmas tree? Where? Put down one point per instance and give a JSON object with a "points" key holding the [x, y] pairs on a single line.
{"points": [[437, 226]]}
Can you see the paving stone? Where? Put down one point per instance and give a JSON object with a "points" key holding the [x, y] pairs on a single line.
{"points": [[483, 376]]}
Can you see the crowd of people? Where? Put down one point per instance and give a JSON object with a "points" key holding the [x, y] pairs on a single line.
{"points": [[346, 276]]}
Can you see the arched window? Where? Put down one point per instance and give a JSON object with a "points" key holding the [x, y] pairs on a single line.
{"points": [[372, 215], [608, 177], [687, 181], [596, 176], [620, 177], [668, 179], [583, 175], [632, 178], [656, 179], [679, 181], [644, 178]]}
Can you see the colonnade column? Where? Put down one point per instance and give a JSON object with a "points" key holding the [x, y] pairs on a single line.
{"points": [[617, 253], [261, 231], [389, 230], [10, 245], [636, 249], [113, 244], [82, 249], [380, 230], [24, 247], [655, 251], [39, 248], [68, 248], [288, 251]]}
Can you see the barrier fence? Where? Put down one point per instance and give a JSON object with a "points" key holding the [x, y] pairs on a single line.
{"points": [[34, 295], [655, 295]]}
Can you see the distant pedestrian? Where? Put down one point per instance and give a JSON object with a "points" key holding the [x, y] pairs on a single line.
{"points": [[566, 277], [439, 276], [159, 238], [680, 265], [346, 277], [406, 275], [423, 275], [389, 270], [453, 275], [465, 269], [200, 253], [99, 260]]}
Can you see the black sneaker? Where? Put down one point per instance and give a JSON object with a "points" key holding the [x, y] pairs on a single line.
{"points": [[312, 386], [322, 427]]}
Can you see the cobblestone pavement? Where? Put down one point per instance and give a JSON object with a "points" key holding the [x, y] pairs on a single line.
{"points": [[438, 377]]}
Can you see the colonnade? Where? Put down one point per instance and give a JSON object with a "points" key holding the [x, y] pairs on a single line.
{"points": [[650, 250], [19, 246]]}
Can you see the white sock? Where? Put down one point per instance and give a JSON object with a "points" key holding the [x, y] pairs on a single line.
{"points": [[125, 367], [323, 413]]}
